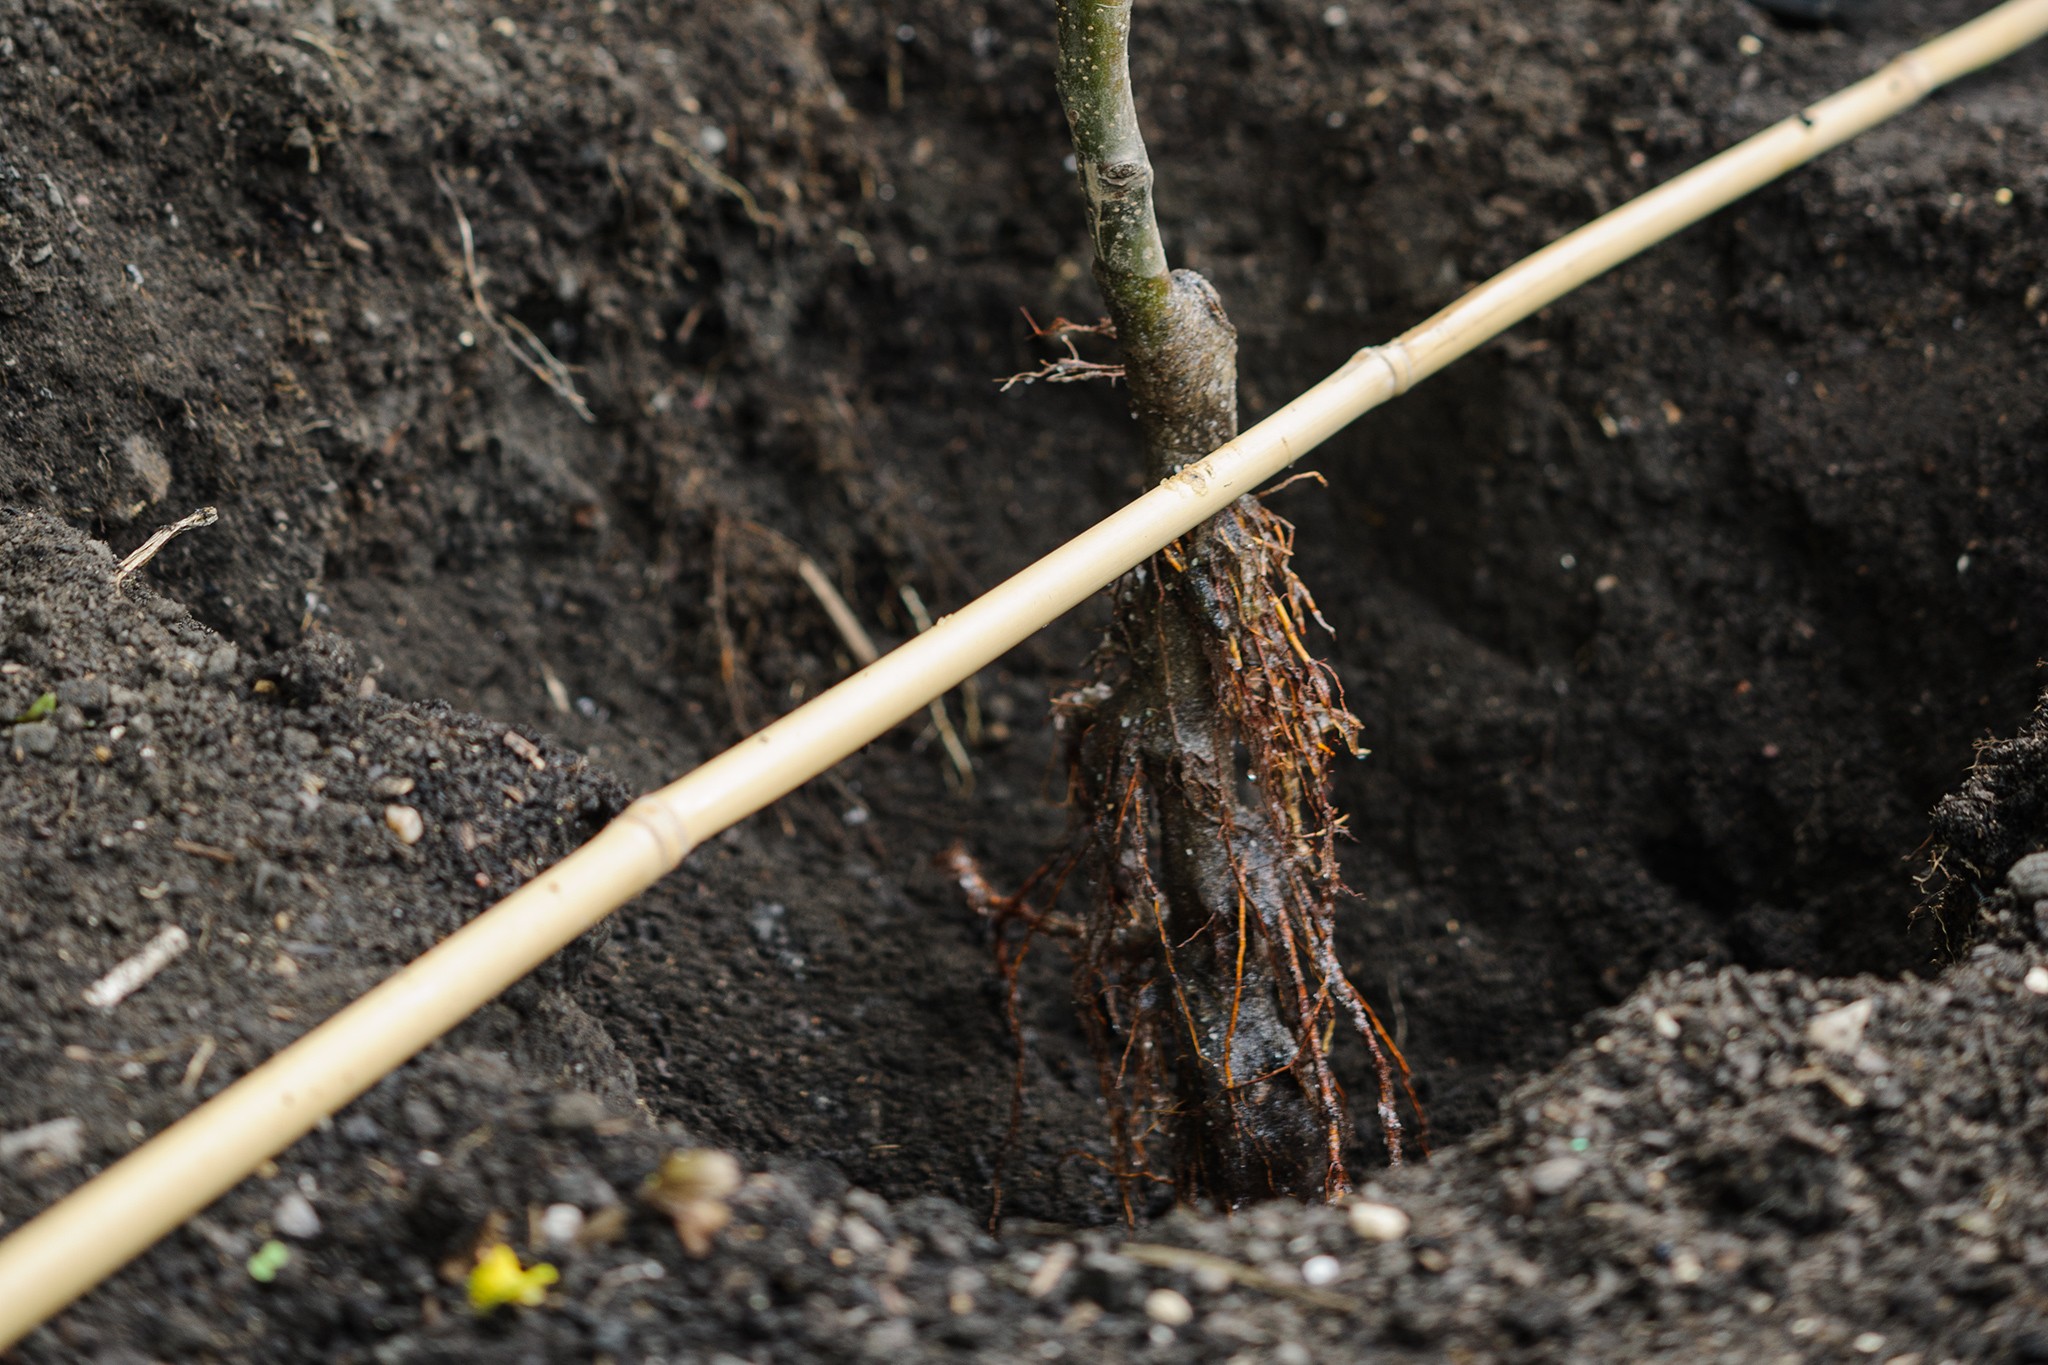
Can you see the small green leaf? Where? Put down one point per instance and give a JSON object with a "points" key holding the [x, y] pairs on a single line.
{"points": [[38, 709], [270, 1258]]}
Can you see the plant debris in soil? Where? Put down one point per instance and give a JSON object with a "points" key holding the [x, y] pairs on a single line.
{"points": [[1668, 619]]}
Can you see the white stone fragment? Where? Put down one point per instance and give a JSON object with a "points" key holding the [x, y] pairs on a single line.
{"points": [[1556, 1175], [62, 1141], [1169, 1308], [405, 822], [133, 973], [559, 1224], [1840, 1030], [1379, 1222], [295, 1217]]}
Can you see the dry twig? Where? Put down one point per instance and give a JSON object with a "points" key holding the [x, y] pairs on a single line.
{"points": [[1251, 1277], [519, 339], [960, 776], [728, 647], [697, 162], [162, 536], [963, 766]]}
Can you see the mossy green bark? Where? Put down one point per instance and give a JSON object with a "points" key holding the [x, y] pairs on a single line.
{"points": [[1180, 351]]}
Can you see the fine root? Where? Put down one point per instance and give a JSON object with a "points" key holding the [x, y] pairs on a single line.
{"points": [[1070, 368]]}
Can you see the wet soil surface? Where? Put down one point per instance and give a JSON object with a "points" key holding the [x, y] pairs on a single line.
{"points": [[1671, 617]]}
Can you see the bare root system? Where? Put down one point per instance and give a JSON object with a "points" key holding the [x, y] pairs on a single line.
{"points": [[1205, 971]]}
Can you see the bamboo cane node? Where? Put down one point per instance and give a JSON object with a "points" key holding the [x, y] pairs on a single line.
{"points": [[1400, 364], [664, 825]]}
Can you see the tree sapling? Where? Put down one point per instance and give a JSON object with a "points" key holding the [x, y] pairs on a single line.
{"points": [[1206, 972]]}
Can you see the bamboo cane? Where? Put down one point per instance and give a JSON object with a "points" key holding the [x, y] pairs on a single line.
{"points": [[107, 1222]]}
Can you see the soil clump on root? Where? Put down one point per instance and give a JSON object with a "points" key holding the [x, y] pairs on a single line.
{"points": [[1668, 620]]}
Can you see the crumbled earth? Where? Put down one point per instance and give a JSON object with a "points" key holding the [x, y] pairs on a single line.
{"points": [[1671, 617]]}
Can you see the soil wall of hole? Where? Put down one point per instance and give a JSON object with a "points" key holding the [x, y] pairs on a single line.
{"points": [[1670, 616]]}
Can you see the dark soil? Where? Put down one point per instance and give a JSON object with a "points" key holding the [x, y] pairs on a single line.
{"points": [[1670, 618]]}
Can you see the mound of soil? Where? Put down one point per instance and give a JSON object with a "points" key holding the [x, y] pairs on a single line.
{"points": [[516, 347]]}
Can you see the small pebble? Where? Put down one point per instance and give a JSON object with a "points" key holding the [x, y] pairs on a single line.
{"points": [[35, 738], [1840, 1030], [423, 1119], [405, 822], [889, 1340], [1556, 1175], [575, 1111], [1666, 1023], [770, 925], [1319, 1270], [1379, 1222], [1169, 1308], [2028, 878], [2037, 980], [1687, 1268], [295, 1217], [861, 1236], [559, 1224], [1868, 1343]]}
